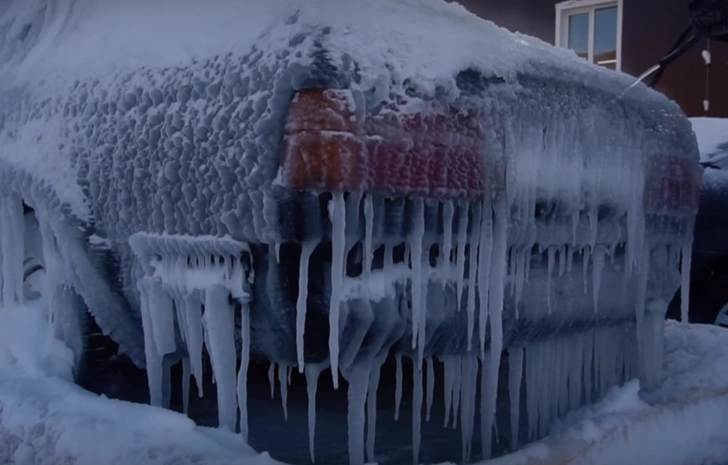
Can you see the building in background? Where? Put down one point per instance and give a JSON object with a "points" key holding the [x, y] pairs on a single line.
{"points": [[624, 35]]}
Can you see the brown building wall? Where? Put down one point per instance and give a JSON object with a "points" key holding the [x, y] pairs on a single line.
{"points": [[650, 28]]}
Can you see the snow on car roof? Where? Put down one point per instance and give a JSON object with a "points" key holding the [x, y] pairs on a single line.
{"points": [[83, 38]]}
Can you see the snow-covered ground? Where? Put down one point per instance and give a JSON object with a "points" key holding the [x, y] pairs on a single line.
{"points": [[46, 419]]}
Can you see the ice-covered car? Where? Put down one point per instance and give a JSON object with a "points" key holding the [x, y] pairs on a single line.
{"points": [[329, 184]]}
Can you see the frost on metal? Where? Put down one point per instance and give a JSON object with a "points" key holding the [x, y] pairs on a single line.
{"points": [[356, 194]]}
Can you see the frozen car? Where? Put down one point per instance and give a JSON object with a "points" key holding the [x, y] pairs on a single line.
{"points": [[329, 185]]}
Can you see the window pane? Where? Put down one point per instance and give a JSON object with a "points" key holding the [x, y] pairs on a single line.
{"points": [[579, 34], [605, 37]]}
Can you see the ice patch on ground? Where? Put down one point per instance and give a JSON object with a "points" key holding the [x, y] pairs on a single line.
{"points": [[45, 419]]}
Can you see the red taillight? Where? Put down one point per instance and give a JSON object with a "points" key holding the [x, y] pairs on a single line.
{"points": [[329, 146], [672, 186]]}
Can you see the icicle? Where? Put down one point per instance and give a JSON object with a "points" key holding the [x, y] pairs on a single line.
{"points": [[520, 273], [372, 408], [484, 259], [398, 388], [570, 258], [6, 254], [312, 376], [448, 213], [685, 266], [272, 379], [17, 223], [337, 209], [472, 275], [368, 232], [551, 252], [415, 243], [243, 373], [585, 268], [532, 381], [278, 252], [515, 373], [282, 369], [430, 386], [416, 410], [51, 263], [447, 387], [574, 227], [460, 261], [457, 387], [162, 315], [498, 271], [185, 385], [180, 312], [195, 338], [358, 378], [307, 249], [219, 325], [12, 231], [467, 404], [562, 260], [597, 268], [512, 269], [642, 281], [152, 357]]}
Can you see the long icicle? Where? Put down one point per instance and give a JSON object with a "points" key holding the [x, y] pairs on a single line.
{"points": [[497, 291], [312, 376], [515, 373], [484, 259], [338, 246], [306, 250], [398, 387], [243, 373]]}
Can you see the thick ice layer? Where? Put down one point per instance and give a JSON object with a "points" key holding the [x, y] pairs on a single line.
{"points": [[182, 135], [189, 293], [479, 158], [179, 147]]}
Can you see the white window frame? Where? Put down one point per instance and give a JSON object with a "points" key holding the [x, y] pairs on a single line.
{"points": [[571, 7]]}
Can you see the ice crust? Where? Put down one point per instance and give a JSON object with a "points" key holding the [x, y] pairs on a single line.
{"points": [[168, 152]]}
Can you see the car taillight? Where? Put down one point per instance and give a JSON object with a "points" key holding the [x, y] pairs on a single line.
{"points": [[330, 146]]}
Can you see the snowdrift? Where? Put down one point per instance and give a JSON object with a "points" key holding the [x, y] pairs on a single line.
{"points": [[318, 185]]}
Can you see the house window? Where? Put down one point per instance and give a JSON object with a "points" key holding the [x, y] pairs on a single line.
{"points": [[592, 29]]}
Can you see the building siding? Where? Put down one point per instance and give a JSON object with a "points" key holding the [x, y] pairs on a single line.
{"points": [[650, 28]]}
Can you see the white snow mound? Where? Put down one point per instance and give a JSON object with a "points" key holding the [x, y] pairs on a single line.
{"points": [[45, 419]]}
